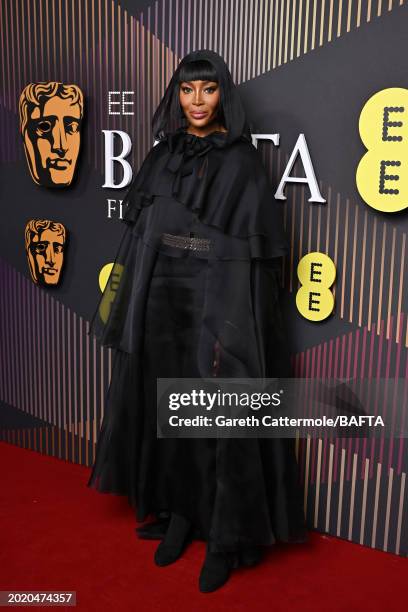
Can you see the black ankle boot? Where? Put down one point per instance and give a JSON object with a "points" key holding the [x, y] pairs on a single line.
{"points": [[174, 542], [215, 571]]}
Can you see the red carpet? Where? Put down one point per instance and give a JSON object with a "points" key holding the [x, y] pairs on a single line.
{"points": [[58, 534]]}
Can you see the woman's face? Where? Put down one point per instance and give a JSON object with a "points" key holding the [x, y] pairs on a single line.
{"points": [[200, 101]]}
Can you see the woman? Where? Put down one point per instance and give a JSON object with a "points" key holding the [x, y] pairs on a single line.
{"points": [[194, 293]]}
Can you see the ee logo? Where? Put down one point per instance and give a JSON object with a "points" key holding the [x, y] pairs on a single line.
{"points": [[382, 174], [314, 299], [110, 273]]}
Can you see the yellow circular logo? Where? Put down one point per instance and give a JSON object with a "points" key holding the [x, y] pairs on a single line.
{"points": [[382, 174], [110, 273], [316, 272], [104, 275]]}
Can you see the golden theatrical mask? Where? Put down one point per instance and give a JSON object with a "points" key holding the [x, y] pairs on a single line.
{"points": [[45, 243], [50, 124]]}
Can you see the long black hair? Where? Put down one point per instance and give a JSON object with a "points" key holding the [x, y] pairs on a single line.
{"points": [[203, 65]]}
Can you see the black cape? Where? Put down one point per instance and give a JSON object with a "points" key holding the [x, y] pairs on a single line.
{"points": [[222, 193]]}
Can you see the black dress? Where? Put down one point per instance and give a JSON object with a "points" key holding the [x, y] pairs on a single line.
{"points": [[194, 292]]}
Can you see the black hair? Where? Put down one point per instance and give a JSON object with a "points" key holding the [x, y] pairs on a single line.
{"points": [[200, 70]]}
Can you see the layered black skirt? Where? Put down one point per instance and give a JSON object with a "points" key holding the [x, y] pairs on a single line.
{"points": [[237, 492]]}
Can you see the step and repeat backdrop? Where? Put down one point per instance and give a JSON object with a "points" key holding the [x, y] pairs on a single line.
{"points": [[325, 87]]}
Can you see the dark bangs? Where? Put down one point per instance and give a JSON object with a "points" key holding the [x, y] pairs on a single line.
{"points": [[200, 70]]}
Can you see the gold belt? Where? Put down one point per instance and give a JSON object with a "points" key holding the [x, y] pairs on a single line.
{"points": [[186, 242]]}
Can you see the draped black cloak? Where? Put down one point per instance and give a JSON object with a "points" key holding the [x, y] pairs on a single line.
{"points": [[172, 311]]}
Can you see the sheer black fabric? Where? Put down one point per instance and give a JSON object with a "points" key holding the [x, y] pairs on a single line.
{"points": [[178, 312]]}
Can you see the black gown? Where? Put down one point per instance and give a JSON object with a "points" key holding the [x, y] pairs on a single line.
{"points": [[194, 292]]}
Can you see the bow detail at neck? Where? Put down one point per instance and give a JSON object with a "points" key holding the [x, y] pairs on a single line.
{"points": [[185, 148]]}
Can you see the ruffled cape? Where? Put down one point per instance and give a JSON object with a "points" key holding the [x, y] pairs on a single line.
{"points": [[226, 189], [226, 186]]}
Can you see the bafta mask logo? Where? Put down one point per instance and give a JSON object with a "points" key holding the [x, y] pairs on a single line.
{"points": [[50, 124], [45, 245]]}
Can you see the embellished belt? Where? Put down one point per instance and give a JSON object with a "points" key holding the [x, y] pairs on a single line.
{"points": [[186, 242]]}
